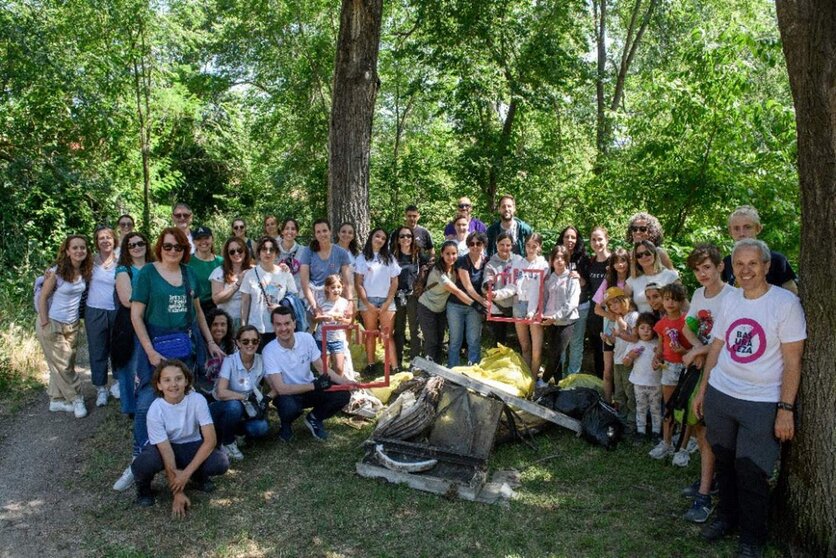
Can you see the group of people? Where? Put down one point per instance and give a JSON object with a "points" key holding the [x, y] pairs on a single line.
{"points": [[253, 316]]}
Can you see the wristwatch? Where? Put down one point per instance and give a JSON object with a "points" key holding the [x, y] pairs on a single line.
{"points": [[786, 406]]}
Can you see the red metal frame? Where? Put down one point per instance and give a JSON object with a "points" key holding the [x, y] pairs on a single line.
{"points": [[538, 315], [355, 328]]}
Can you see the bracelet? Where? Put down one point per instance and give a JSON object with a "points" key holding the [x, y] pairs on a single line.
{"points": [[786, 406]]}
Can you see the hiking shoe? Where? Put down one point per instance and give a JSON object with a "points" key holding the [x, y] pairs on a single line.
{"points": [[114, 391], [144, 496], [285, 433], [79, 410], [746, 550], [717, 529], [101, 396], [59, 405], [692, 446], [693, 490], [700, 510], [661, 451], [316, 427], [681, 458], [206, 485], [125, 481], [232, 451]]}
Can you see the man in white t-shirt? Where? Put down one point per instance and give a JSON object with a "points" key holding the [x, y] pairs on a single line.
{"points": [[287, 368]]}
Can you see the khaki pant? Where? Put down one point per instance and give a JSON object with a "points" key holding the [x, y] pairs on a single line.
{"points": [[59, 342]]}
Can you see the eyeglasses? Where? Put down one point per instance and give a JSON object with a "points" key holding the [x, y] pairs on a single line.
{"points": [[235, 251], [636, 228], [138, 244], [268, 249], [476, 243], [246, 342], [176, 247], [644, 253], [239, 227], [464, 205], [182, 215], [404, 236]]}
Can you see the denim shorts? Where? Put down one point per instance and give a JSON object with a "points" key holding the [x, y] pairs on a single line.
{"points": [[378, 301], [671, 373], [337, 346]]}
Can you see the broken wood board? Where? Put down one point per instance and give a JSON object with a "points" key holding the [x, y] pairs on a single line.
{"points": [[488, 390]]}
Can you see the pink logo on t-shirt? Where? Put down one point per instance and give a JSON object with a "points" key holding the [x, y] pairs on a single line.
{"points": [[745, 341]]}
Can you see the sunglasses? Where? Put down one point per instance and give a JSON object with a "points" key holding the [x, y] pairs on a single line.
{"points": [[239, 227], [176, 247], [635, 228], [464, 205], [643, 253], [124, 224], [182, 215], [476, 243], [235, 251], [268, 249], [138, 244], [246, 342], [404, 236]]}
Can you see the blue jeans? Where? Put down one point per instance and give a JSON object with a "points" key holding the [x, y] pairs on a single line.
{"points": [[230, 419], [576, 343], [463, 321], [325, 404], [150, 462]]}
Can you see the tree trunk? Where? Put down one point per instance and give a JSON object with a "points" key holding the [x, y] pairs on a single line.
{"points": [[600, 9], [355, 89], [806, 508]]}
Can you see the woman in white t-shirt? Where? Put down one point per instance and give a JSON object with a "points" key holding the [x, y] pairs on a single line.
{"points": [[263, 288], [647, 268], [226, 280], [181, 440], [376, 279], [238, 409], [748, 393], [100, 313]]}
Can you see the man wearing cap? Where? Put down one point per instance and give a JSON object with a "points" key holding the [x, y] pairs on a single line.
{"points": [[465, 207], [204, 261], [517, 228]]}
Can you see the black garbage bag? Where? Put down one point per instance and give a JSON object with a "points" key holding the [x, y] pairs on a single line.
{"points": [[572, 402], [601, 425]]}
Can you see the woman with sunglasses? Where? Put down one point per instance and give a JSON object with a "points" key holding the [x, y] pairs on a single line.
{"points": [[410, 260], [262, 289], [239, 231], [126, 224], [226, 280], [464, 321], [647, 269], [644, 226], [238, 394], [133, 255], [59, 320], [165, 310], [100, 311]]}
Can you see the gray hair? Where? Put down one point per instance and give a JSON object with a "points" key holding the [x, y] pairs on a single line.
{"points": [[754, 244]]}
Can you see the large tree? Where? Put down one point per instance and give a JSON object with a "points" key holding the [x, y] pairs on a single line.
{"points": [[808, 30], [355, 90]]}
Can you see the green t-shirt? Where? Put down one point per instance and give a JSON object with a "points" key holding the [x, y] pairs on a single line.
{"points": [[203, 269], [435, 296], [166, 306]]}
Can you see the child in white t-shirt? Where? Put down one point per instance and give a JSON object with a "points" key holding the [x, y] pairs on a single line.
{"points": [[333, 312], [647, 382], [623, 310], [181, 439]]}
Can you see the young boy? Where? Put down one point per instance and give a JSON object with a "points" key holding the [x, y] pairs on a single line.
{"points": [[707, 266], [672, 346], [744, 222], [647, 382]]}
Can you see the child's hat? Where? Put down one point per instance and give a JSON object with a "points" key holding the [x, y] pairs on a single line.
{"points": [[614, 292]]}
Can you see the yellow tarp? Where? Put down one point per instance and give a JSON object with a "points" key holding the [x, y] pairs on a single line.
{"points": [[582, 380], [395, 380], [504, 369]]}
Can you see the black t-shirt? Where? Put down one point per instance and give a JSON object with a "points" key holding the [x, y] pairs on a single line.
{"points": [[476, 275], [780, 270], [421, 238], [580, 263], [409, 271], [597, 274]]}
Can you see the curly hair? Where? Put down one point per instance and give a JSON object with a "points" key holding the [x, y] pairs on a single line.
{"points": [[64, 265], [654, 228]]}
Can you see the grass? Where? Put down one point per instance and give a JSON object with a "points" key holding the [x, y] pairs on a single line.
{"points": [[304, 499], [21, 359]]}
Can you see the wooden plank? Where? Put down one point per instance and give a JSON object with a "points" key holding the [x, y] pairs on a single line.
{"points": [[486, 389]]}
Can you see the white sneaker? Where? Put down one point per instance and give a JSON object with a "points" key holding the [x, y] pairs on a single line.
{"points": [[114, 391], [661, 451], [232, 451], [101, 396], [59, 405], [79, 410], [692, 446], [125, 481], [681, 458]]}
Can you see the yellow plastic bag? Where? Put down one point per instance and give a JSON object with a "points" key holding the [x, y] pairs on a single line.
{"points": [[582, 380], [502, 368], [384, 393]]}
